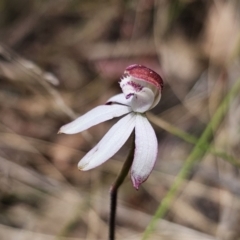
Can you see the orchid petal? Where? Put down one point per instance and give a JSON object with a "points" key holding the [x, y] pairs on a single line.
{"points": [[119, 98], [95, 116], [156, 100], [110, 143], [143, 100], [146, 148]]}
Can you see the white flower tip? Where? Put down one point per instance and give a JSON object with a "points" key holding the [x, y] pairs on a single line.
{"points": [[146, 74], [137, 181], [80, 168], [62, 129], [83, 166]]}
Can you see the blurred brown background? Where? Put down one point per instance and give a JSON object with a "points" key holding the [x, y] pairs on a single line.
{"points": [[59, 59]]}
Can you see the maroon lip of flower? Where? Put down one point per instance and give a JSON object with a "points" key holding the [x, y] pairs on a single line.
{"points": [[146, 74]]}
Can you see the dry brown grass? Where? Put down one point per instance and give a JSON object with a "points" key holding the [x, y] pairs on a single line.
{"points": [[59, 59]]}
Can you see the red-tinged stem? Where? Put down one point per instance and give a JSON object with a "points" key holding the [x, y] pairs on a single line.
{"points": [[114, 189]]}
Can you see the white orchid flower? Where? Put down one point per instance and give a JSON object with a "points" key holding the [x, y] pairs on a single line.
{"points": [[141, 92]]}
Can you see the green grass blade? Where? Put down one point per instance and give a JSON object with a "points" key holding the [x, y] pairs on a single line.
{"points": [[190, 138], [197, 152]]}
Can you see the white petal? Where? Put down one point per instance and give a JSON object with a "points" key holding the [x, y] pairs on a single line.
{"points": [[156, 100], [119, 98], [110, 143], [95, 116], [142, 101], [146, 148]]}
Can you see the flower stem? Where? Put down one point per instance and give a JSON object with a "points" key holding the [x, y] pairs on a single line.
{"points": [[114, 189]]}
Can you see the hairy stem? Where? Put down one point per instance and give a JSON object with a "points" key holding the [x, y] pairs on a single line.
{"points": [[114, 189]]}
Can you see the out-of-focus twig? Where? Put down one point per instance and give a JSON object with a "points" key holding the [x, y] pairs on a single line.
{"points": [[18, 69], [189, 138]]}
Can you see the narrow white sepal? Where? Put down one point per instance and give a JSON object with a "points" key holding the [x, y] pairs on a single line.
{"points": [[142, 101], [110, 143], [93, 117], [146, 148], [120, 99]]}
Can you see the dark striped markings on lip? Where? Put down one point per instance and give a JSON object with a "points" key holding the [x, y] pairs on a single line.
{"points": [[146, 74]]}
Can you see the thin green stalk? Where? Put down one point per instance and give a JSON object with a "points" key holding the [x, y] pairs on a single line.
{"points": [[114, 189], [190, 138], [171, 128], [196, 154]]}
